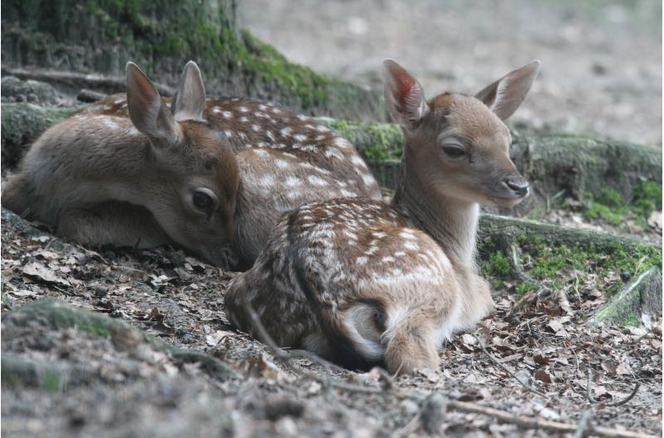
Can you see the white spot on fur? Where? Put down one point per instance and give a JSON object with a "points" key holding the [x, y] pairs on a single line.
{"points": [[292, 181], [216, 110], [132, 131], [303, 118], [255, 128], [261, 152], [229, 134], [368, 180], [321, 128], [226, 114], [334, 152], [286, 132], [282, 164], [300, 137], [243, 109], [342, 143], [267, 180], [411, 246], [316, 181], [243, 119], [270, 135]]}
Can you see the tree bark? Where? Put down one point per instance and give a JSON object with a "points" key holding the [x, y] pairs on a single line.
{"points": [[100, 36]]}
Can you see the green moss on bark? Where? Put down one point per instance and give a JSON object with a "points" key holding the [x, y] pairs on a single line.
{"points": [[161, 36]]}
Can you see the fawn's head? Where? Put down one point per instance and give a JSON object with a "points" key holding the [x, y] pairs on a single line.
{"points": [[457, 145], [195, 176]]}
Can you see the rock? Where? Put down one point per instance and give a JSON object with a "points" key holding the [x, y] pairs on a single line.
{"points": [[58, 315], [641, 296], [30, 90]]}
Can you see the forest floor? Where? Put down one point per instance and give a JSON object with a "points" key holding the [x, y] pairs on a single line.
{"points": [[601, 59], [534, 359], [91, 382]]}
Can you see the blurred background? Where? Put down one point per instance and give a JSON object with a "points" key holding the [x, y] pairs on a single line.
{"points": [[601, 59]]}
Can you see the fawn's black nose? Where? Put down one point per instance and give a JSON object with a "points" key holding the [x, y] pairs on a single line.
{"points": [[517, 184]]}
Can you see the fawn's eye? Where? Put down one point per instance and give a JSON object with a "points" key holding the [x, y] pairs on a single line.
{"points": [[453, 151], [202, 200]]}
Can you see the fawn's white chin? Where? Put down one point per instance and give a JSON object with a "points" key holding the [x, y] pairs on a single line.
{"points": [[506, 202]]}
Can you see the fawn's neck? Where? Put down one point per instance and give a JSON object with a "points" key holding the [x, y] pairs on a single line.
{"points": [[452, 223]]}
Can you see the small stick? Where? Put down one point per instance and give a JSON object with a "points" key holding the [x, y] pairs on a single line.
{"points": [[626, 399], [584, 425], [507, 370], [591, 400]]}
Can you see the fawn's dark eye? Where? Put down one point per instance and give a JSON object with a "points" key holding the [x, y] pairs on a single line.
{"points": [[202, 200], [453, 151]]}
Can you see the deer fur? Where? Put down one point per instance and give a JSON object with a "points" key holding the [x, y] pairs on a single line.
{"points": [[286, 160], [129, 171], [362, 282], [283, 159]]}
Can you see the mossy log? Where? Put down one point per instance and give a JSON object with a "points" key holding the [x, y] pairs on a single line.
{"points": [[56, 315], [100, 36], [642, 295], [556, 164]]}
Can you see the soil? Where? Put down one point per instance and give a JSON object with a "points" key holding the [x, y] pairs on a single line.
{"points": [[118, 389], [601, 60]]}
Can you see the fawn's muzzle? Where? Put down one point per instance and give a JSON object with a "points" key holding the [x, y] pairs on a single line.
{"points": [[516, 186]]}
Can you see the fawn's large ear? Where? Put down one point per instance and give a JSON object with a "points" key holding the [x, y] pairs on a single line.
{"points": [[189, 101], [505, 95], [404, 96], [146, 110]]}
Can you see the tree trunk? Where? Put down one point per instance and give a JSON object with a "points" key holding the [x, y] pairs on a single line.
{"points": [[100, 36]]}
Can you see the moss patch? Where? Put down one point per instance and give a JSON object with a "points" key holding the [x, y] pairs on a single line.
{"points": [[610, 206], [546, 263]]}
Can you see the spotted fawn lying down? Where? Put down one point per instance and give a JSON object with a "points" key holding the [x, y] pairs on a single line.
{"points": [[216, 185], [363, 283], [130, 171]]}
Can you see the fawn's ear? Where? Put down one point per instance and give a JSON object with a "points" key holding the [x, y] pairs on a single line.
{"points": [[146, 110], [189, 101], [404, 96], [505, 95]]}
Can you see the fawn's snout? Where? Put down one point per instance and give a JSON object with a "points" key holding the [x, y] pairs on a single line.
{"points": [[516, 186]]}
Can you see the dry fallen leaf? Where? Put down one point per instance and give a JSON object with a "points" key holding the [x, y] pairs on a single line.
{"points": [[40, 272]]}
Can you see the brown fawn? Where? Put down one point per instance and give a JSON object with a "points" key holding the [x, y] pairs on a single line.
{"points": [[284, 159], [361, 282], [132, 171]]}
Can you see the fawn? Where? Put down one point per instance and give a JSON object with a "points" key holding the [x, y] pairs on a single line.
{"points": [[362, 282], [284, 160], [132, 171]]}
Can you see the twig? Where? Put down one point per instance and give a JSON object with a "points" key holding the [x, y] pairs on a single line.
{"points": [[591, 400], [507, 370], [112, 84], [589, 391], [626, 399], [584, 425], [538, 423]]}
